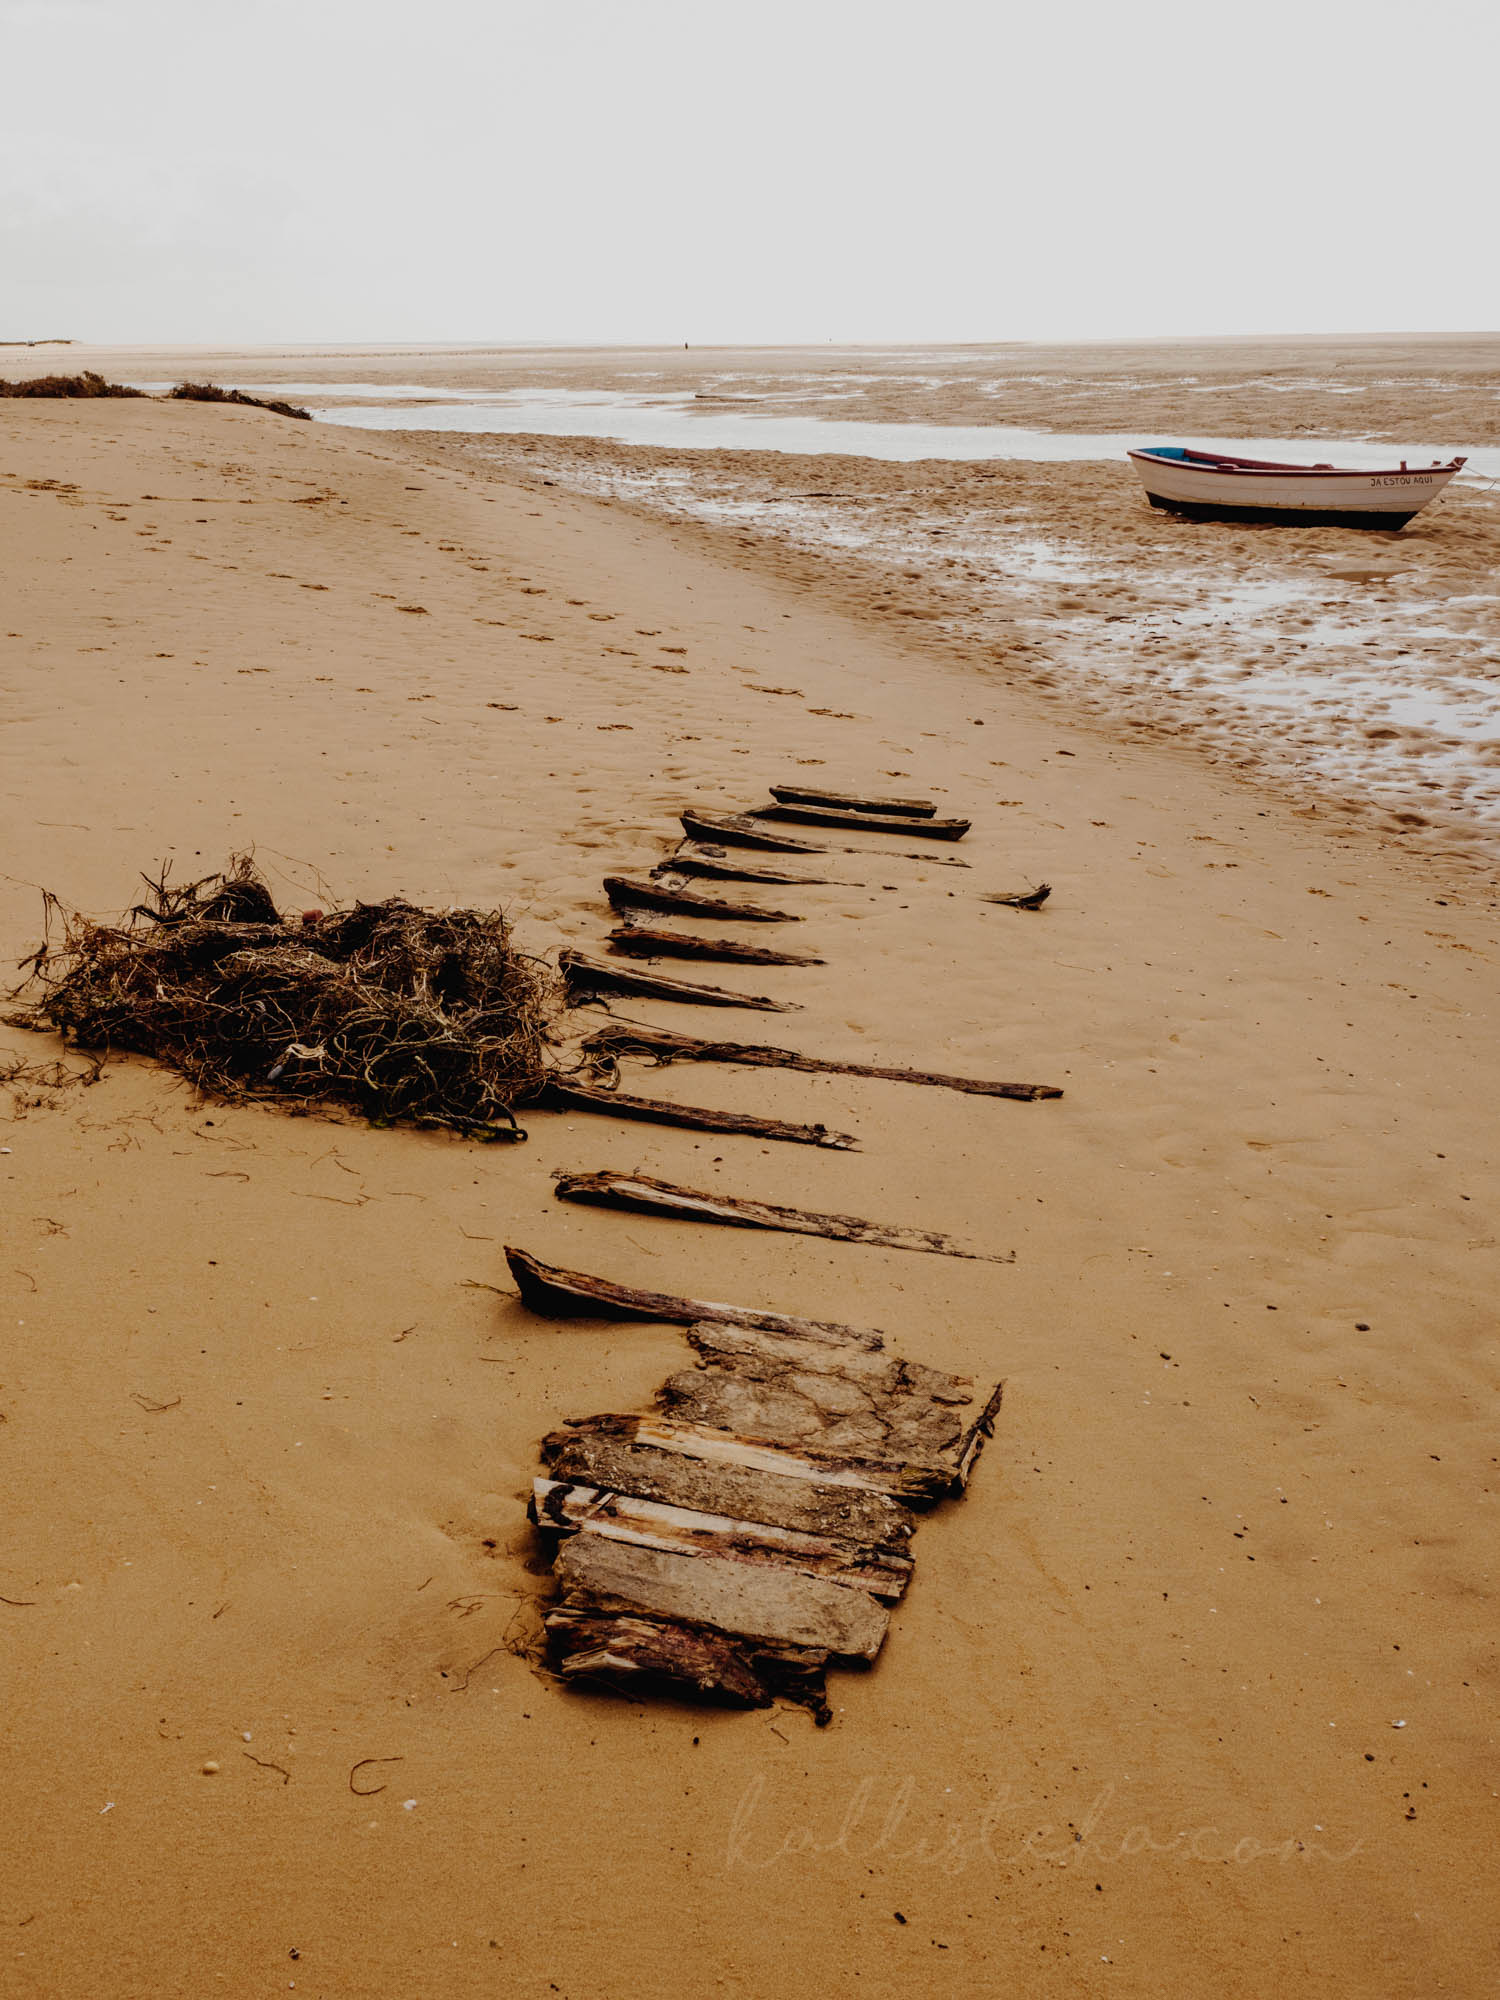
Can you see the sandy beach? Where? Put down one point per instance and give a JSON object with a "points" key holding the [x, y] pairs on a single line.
{"points": [[1194, 1692]]}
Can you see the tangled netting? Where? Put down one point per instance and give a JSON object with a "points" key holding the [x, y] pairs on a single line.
{"points": [[426, 1017]]}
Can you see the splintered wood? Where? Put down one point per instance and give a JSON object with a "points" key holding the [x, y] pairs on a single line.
{"points": [[754, 1530]]}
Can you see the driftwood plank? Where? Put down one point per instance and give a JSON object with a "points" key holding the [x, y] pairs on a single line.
{"points": [[806, 795], [640, 942], [561, 1294], [710, 1442], [779, 1606], [932, 829], [594, 1452], [736, 830], [713, 863], [624, 893], [585, 975], [664, 1046], [561, 1095], [642, 1195], [562, 1507]]}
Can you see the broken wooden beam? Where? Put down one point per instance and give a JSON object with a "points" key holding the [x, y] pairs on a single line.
{"points": [[664, 1046], [565, 1507], [806, 795], [932, 829], [640, 942], [560, 1094], [641, 1195], [1028, 899], [586, 976], [775, 1606], [736, 830], [594, 1451], [561, 1294], [624, 893]]}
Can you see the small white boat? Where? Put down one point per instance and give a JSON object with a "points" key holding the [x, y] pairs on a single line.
{"points": [[1210, 486]]}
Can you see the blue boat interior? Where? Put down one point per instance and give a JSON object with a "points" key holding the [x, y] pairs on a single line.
{"points": [[1166, 451]]}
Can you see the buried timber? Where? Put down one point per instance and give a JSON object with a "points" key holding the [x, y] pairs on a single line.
{"points": [[431, 1018]]}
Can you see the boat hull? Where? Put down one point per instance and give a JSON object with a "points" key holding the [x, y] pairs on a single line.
{"points": [[1297, 517], [1204, 487]]}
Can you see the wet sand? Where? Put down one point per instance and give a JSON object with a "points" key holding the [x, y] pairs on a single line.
{"points": [[1194, 1692]]}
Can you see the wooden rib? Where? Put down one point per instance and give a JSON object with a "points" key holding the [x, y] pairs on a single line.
{"points": [[775, 1605], [642, 1195], [665, 1046], [562, 1095], [716, 866], [585, 975], [595, 1453], [561, 1294], [625, 893], [736, 830], [932, 829], [805, 795], [566, 1508], [640, 942]]}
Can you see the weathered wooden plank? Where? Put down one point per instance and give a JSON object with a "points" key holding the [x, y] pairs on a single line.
{"points": [[931, 829], [562, 1095], [736, 830], [585, 976], [664, 1046], [624, 892], [639, 942], [642, 1195], [566, 1508], [561, 1294], [878, 1372], [807, 795], [694, 1440], [781, 1607], [594, 1452], [906, 1444], [713, 863]]}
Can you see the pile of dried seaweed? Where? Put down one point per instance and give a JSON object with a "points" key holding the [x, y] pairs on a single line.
{"points": [[433, 1018]]}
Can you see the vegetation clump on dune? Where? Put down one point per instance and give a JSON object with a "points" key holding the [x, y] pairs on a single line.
{"points": [[90, 384], [431, 1018], [86, 384], [210, 392]]}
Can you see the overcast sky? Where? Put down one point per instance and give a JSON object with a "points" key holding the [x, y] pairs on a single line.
{"points": [[717, 170]]}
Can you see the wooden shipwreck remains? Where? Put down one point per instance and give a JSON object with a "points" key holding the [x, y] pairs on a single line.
{"points": [[882, 820], [562, 1094], [639, 1194], [662, 1045], [624, 893], [586, 976], [640, 941], [806, 795], [757, 1528]]}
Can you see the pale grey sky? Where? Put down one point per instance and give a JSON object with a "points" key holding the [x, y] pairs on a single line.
{"points": [[788, 170]]}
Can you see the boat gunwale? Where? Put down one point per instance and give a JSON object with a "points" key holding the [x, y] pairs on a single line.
{"points": [[1221, 462]]}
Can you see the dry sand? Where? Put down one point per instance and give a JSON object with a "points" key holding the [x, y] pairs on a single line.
{"points": [[1193, 1694]]}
